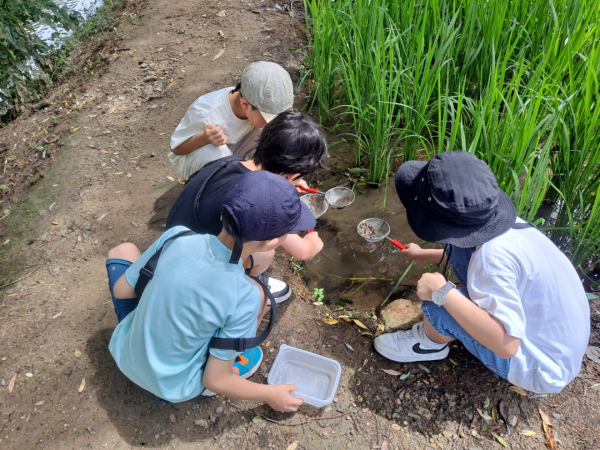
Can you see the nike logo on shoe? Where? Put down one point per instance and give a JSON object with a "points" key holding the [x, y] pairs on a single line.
{"points": [[417, 349]]}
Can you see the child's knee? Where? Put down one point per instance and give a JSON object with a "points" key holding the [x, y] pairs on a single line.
{"points": [[126, 251]]}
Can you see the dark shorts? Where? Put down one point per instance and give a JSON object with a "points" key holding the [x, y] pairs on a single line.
{"points": [[115, 268]]}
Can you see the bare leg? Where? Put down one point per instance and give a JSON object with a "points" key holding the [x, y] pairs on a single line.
{"points": [[434, 335], [262, 261], [126, 251], [263, 305]]}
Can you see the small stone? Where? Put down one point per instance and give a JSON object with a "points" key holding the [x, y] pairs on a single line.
{"points": [[201, 423], [219, 410], [402, 314], [425, 413], [91, 431], [556, 416], [359, 399], [512, 421], [157, 436], [77, 353], [29, 375], [56, 270], [335, 400]]}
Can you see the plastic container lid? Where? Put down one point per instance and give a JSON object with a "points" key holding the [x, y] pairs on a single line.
{"points": [[315, 376]]}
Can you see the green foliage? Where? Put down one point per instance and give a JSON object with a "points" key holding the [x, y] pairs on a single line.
{"points": [[19, 46], [514, 82], [318, 294]]}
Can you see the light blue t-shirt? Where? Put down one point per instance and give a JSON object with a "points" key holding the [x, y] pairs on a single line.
{"points": [[195, 294]]}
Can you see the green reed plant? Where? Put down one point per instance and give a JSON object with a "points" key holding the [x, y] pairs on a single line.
{"points": [[514, 82]]}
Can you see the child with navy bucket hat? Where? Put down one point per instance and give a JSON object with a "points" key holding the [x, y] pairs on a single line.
{"points": [[522, 310], [190, 329]]}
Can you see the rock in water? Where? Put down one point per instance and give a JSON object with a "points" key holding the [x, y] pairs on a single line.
{"points": [[402, 314]]}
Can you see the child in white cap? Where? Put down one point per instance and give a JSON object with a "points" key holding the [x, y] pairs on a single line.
{"points": [[229, 121]]}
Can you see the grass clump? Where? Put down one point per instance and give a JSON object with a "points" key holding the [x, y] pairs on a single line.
{"points": [[514, 82]]}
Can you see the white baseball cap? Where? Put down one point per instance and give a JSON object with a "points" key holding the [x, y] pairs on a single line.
{"points": [[268, 87]]}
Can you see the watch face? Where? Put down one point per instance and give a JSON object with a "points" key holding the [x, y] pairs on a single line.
{"points": [[437, 298]]}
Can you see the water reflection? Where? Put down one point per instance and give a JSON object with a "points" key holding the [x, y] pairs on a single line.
{"points": [[85, 7]]}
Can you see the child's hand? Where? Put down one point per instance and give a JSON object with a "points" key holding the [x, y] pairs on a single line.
{"points": [[413, 251], [315, 240], [428, 284], [215, 135], [300, 182], [281, 400]]}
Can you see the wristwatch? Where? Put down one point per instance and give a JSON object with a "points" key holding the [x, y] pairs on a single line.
{"points": [[439, 297]]}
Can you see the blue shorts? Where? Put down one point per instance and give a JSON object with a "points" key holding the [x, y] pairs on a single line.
{"points": [[115, 268], [444, 323]]}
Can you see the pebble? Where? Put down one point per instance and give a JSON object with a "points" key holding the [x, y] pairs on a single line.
{"points": [[335, 400], [201, 423], [91, 431], [556, 416], [29, 375]]}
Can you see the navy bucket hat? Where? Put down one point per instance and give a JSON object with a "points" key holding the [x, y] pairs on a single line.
{"points": [[454, 199], [266, 206]]}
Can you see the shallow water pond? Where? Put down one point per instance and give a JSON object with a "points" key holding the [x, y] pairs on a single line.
{"points": [[351, 270]]}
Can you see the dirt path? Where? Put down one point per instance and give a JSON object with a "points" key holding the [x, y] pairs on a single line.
{"points": [[110, 183]]}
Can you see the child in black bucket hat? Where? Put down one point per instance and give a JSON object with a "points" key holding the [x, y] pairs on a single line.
{"points": [[522, 309]]}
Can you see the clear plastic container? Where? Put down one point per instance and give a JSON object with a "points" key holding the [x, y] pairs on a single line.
{"points": [[315, 376]]}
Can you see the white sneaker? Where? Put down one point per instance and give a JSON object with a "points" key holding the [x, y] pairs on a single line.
{"points": [[280, 289], [409, 346]]}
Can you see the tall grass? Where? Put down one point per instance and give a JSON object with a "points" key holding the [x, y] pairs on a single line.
{"points": [[514, 82]]}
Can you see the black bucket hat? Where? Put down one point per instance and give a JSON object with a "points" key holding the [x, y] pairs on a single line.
{"points": [[454, 199]]}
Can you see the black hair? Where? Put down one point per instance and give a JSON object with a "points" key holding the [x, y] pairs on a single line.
{"points": [[229, 224], [237, 89], [292, 143]]}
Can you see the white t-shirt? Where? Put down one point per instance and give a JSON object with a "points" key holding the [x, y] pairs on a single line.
{"points": [[212, 108], [528, 284]]}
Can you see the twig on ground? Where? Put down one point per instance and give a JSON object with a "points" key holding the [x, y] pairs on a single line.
{"points": [[287, 424], [22, 278]]}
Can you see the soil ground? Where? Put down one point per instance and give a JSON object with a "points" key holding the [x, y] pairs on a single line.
{"points": [[106, 180]]}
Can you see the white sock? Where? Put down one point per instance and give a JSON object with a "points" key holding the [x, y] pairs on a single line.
{"points": [[427, 340]]}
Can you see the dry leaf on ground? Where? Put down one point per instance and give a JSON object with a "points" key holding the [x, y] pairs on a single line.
{"points": [[82, 385], [170, 178], [392, 372], [593, 353], [501, 440], [380, 330], [218, 55], [330, 321], [360, 324], [518, 390], [56, 315], [485, 416], [529, 433], [294, 444], [345, 318], [547, 426], [11, 383]]}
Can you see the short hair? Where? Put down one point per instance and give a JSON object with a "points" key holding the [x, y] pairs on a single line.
{"points": [[229, 224], [238, 88], [292, 143]]}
